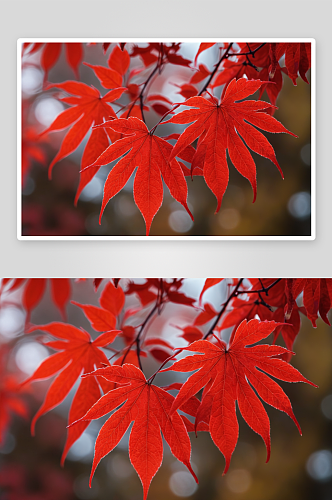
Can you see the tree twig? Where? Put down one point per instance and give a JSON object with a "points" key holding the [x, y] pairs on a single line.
{"points": [[224, 56], [232, 295]]}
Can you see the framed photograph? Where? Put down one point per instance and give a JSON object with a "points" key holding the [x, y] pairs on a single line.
{"points": [[166, 139], [165, 388]]}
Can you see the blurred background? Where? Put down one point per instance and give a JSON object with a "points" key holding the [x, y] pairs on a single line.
{"points": [[300, 468], [282, 207]]}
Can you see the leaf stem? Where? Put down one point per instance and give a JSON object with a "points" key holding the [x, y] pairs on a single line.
{"points": [[131, 107], [232, 295], [137, 340], [141, 95], [251, 52], [210, 332], [152, 131], [150, 380], [224, 56]]}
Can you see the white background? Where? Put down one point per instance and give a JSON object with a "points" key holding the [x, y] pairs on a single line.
{"points": [[156, 18]]}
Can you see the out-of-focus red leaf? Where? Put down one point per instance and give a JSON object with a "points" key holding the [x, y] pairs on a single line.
{"points": [[77, 354], [209, 282], [202, 47], [101, 320], [119, 60], [112, 299]]}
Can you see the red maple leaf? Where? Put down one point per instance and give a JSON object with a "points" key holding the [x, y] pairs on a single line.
{"points": [[119, 60], [202, 73], [224, 126], [257, 55], [111, 301], [209, 282], [149, 407], [317, 297], [146, 291], [153, 51], [267, 304], [151, 155], [33, 150], [297, 59], [190, 333], [186, 90], [205, 315], [202, 47], [256, 302], [272, 90], [10, 403], [34, 291], [143, 290], [51, 52], [243, 65], [147, 53], [77, 354], [230, 374], [290, 328], [87, 108], [245, 309]]}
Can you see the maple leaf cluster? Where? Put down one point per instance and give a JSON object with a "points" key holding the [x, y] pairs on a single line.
{"points": [[214, 126], [112, 362]]}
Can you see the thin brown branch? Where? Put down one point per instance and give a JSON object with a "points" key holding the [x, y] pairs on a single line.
{"points": [[137, 340], [223, 309], [252, 52], [262, 290], [159, 67]]}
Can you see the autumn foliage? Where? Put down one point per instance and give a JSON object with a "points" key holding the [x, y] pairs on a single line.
{"points": [[218, 118], [225, 377]]}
